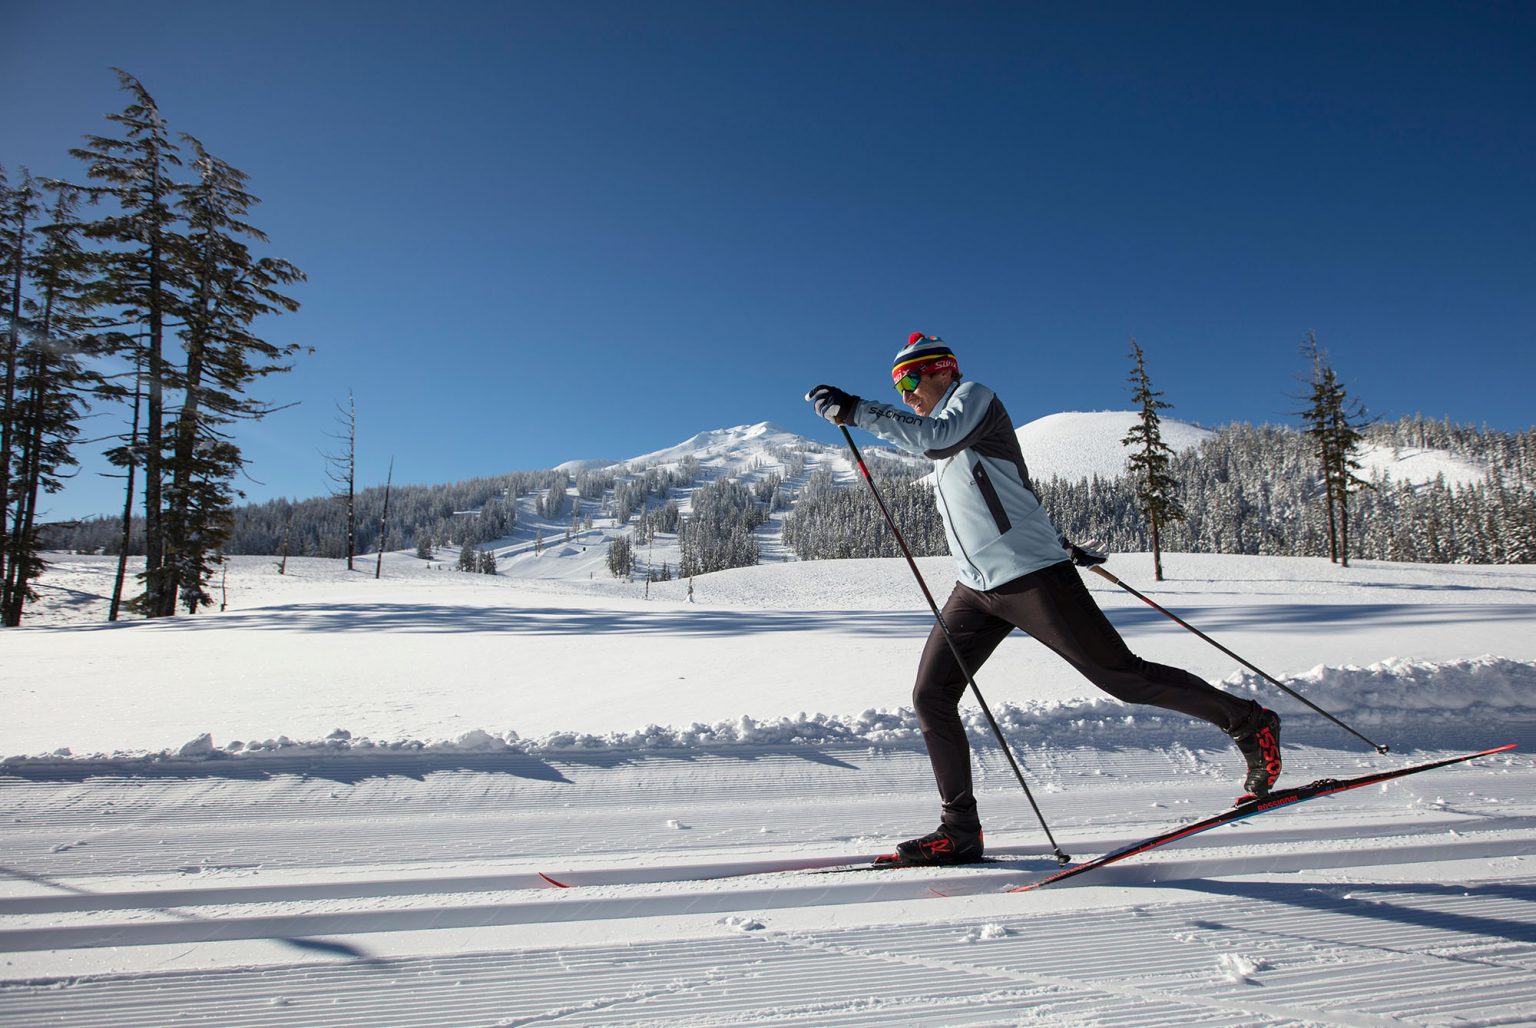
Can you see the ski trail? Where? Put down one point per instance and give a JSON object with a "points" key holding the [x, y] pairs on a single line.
{"points": [[279, 901]]}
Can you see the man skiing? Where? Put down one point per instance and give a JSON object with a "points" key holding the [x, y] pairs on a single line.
{"points": [[1015, 570]]}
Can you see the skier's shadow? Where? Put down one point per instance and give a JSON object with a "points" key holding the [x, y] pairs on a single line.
{"points": [[1382, 901]]}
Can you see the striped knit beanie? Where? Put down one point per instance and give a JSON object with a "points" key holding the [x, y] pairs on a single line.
{"points": [[925, 353]]}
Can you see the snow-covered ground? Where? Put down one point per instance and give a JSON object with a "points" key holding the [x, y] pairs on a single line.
{"points": [[328, 804]]}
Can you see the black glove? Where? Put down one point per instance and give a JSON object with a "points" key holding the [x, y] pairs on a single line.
{"points": [[833, 404], [1086, 555]]}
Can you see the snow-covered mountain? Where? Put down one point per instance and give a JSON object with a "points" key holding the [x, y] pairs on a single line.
{"points": [[1072, 445], [731, 445]]}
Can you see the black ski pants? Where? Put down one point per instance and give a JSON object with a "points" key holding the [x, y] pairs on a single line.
{"points": [[1054, 606]]}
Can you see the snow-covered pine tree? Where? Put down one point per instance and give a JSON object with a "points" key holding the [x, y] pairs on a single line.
{"points": [[1150, 459], [469, 559], [621, 556], [1333, 420]]}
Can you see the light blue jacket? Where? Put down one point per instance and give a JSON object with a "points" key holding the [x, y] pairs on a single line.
{"points": [[996, 527]]}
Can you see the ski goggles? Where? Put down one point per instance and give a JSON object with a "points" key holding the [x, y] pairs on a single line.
{"points": [[906, 376], [907, 383]]}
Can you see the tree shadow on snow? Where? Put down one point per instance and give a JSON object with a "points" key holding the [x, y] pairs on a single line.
{"points": [[558, 621], [1385, 901], [342, 768], [328, 947], [1287, 617], [824, 755], [434, 618]]}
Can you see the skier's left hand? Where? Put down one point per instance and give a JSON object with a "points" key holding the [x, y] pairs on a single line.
{"points": [[832, 403]]}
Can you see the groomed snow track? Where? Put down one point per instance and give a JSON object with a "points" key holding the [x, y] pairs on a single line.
{"points": [[409, 895]]}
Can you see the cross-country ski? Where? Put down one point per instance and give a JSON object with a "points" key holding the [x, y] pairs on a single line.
{"points": [[1252, 807]]}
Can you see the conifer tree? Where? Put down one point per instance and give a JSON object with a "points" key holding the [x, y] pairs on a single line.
{"points": [[621, 557], [143, 281], [228, 289], [1333, 421], [469, 558], [1150, 459], [175, 258], [52, 391], [18, 214]]}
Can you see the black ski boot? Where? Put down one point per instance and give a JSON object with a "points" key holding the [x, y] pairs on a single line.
{"points": [[948, 845], [1260, 747]]}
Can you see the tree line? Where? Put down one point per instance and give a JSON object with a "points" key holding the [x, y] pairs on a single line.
{"points": [[1245, 490], [1259, 490], [147, 307]]}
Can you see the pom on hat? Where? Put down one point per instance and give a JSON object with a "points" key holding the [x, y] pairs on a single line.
{"points": [[926, 354]]}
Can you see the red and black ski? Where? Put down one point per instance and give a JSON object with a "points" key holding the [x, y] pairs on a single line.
{"points": [[1250, 808]]}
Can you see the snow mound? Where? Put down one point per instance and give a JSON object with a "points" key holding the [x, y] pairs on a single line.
{"points": [[1075, 444], [1398, 690]]}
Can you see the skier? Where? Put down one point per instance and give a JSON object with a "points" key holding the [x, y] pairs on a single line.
{"points": [[1015, 570]]}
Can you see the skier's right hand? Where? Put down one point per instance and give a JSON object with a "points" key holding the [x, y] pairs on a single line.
{"points": [[1086, 555], [833, 404]]}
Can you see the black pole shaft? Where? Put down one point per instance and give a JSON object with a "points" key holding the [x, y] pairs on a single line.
{"points": [[954, 648], [1102, 573]]}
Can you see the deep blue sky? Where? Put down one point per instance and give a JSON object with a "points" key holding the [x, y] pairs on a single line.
{"points": [[541, 231]]}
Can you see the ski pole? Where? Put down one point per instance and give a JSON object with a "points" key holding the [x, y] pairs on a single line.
{"points": [[954, 648], [1102, 573]]}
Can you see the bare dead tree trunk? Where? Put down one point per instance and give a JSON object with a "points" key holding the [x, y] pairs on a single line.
{"points": [[384, 519], [342, 469], [127, 537], [282, 567]]}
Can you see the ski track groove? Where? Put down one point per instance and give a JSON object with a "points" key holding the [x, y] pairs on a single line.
{"points": [[1031, 960], [60, 839]]}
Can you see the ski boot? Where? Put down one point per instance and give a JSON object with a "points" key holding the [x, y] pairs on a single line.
{"points": [[1260, 747], [947, 845]]}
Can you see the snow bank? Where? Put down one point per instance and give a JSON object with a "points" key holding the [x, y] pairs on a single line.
{"points": [[1395, 692], [1399, 690]]}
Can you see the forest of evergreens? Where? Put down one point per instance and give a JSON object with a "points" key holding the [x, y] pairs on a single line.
{"points": [[1246, 489]]}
